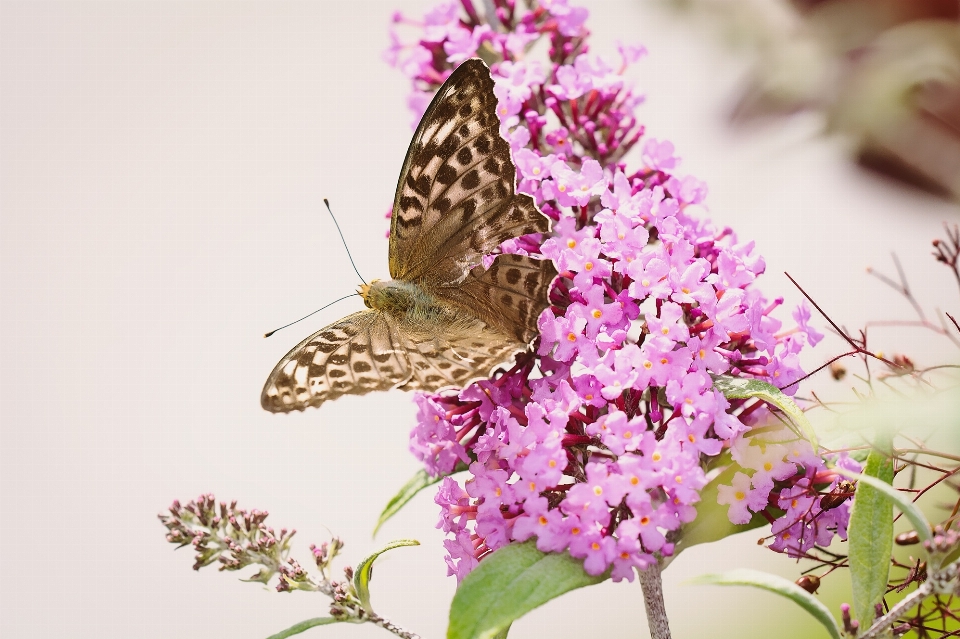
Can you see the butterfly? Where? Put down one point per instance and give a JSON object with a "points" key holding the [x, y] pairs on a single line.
{"points": [[443, 319]]}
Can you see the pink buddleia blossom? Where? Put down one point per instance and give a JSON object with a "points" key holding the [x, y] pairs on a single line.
{"points": [[597, 440]]}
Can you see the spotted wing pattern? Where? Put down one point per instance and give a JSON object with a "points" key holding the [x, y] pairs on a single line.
{"points": [[437, 363], [456, 200], [356, 355], [370, 351], [510, 295]]}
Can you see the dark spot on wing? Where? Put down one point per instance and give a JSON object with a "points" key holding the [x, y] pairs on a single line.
{"points": [[471, 180], [446, 175]]}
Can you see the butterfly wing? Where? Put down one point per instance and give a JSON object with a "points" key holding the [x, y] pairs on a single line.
{"points": [[454, 361], [456, 200], [370, 351], [510, 295], [354, 356]]}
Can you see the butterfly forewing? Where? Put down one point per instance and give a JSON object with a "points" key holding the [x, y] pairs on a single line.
{"points": [[356, 355], [455, 200]]}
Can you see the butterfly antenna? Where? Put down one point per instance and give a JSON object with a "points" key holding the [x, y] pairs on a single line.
{"points": [[344, 242], [306, 316]]}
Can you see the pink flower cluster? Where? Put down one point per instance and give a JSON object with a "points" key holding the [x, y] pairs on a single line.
{"points": [[597, 443]]}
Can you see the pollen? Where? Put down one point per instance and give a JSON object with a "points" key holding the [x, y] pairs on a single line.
{"points": [[776, 373], [768, 466], [688, 400], [571, 243], [691, 438], [793, 503], [597, 490], [542, 520], [552, 463], [647, 364], [620, 236], [575, 530], [686, 291], [634, 480], [595, 546], [588, 397], [645, 282], [624, 555], [436, 418], [657, 457], [572, 337], [678, 479], [663, 360], [644, 521], [702, 354], [499, 492], [562, 188], [740, 495], [628, 435], [665, 330], [588, 266], [536, 170], [597, 313]]}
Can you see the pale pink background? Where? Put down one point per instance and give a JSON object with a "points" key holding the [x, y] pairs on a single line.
{"points": [[162, 166]]}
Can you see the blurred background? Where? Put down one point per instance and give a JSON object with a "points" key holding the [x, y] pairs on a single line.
{"points": [[162, 170]]}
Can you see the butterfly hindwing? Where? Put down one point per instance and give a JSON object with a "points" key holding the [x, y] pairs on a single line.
{"points": [[437, 363], [353, 356], [510, 295]]}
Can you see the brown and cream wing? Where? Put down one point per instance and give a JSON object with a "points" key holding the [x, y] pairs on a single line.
{"points": [[510, 295], [456, 361], [455, 199], [359, 354]]}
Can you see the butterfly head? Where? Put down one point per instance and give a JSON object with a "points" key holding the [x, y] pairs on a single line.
{"points": [[364, 291]]}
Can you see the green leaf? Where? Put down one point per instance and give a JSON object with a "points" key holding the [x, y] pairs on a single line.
{"points": [[418, 482], [296, 629], [509, 583], [780, 586], [903, 504], [870, 538], [739, 388], [364, 572]]}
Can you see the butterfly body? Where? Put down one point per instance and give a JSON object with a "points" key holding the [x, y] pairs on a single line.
{"points": [[443, 319], [417, 312]]}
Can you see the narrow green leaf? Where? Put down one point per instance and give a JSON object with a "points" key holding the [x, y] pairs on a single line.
{"points": [[738, 388], [903, 504], [364, 571], [296, 629], [870, 538], [418, 482], [510, 583], [780, 586]]}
